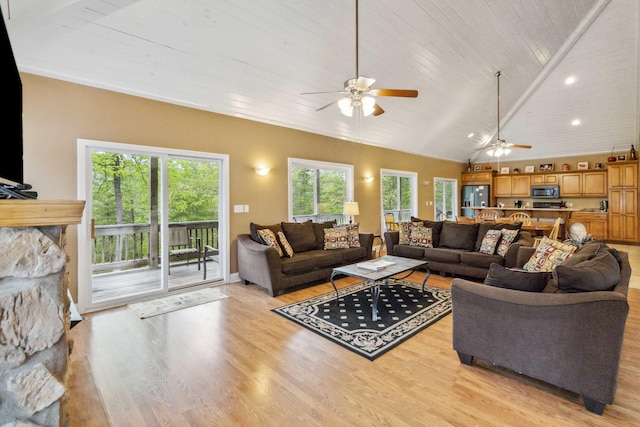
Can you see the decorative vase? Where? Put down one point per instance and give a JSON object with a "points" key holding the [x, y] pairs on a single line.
{"points": [[632, 154]]}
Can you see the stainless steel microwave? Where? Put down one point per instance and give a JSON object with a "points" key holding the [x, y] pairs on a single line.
{"points": [[545, 191]]}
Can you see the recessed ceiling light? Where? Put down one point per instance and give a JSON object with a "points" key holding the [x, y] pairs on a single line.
{"points": [[570, 80], [575, 122], [470, 135]]}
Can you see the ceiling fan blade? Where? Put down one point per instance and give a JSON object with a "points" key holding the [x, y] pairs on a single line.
{"points": [[519, 146], [407, 93], [377, 110], [328, 105], [364, 83]]}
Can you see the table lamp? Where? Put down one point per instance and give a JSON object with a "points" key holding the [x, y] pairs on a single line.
{"points": [[351, 209]]}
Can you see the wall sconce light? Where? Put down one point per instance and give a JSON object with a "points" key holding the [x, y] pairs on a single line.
{"points": [[262, 171], [368, 179]]}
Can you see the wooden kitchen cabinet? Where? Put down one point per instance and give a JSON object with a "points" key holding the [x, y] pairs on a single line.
{"points": [[479, 178], [502, 186], [623, 175], [623, 202], [520, 185], [571, 185], [583, 184], [594, 184], [512, 186], [546, 178]]}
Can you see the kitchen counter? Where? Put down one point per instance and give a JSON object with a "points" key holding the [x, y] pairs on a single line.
{"points": [[523, 209]]}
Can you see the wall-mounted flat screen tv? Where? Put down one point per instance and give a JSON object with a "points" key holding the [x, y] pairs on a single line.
{"points": [[11, 165]]}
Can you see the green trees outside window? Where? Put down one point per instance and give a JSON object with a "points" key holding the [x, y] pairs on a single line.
{"points": [[318, 191], [396, 196]]}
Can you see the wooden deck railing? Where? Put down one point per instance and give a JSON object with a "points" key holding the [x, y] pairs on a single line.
{"points": [[125, 246]]}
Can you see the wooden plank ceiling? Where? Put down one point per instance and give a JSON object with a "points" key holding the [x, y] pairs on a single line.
{"points": [[253, 58]]}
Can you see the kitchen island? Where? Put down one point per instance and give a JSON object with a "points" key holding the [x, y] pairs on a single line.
{"points": [[542, 219]]}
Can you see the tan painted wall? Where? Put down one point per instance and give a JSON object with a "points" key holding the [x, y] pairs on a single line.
{"points": [[57, 114]]}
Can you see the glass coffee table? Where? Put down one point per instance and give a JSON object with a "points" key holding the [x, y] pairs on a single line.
{"points": [[379, 270]]}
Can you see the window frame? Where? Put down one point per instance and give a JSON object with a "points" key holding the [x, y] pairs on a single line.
{"points": [[348, 169], [413, 176], [455, 193]]}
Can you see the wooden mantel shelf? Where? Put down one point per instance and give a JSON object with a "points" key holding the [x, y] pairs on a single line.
{"points": [[33, 213]]}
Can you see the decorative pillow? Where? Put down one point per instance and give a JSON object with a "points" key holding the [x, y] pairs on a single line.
{"points": [[519, 280], [336, 238], [421, 236], [508, 237], [483, 227], [300, 235], [353, 234], [405, 231], [285, 244], [490, 241], [269, 239], [318, 229], [600, 273], [435, 226], [255, 236], [549, 254]]}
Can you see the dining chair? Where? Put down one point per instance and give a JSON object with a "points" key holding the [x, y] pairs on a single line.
{"points": [[390, 222], [522, 217], [555, 231], [553, 234], [487, 215]]}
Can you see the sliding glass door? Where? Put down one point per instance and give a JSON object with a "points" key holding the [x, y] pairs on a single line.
{"points": [[153, 222]]}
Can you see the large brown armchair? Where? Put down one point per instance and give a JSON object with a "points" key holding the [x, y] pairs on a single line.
{"points": [[571, 340]]}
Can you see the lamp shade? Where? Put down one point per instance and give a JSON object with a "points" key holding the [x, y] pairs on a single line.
{"points": [[351, 208]]}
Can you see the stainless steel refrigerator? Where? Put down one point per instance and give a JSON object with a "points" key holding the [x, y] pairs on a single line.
{"points": [[474, 195]]}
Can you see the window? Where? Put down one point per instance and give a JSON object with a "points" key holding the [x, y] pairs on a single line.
{"points": [[399, 194], [446, 195], [318, 190]]}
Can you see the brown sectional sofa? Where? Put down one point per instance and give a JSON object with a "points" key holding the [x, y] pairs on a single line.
{"points": [[262, 265], [564, 335], [455, 247]]}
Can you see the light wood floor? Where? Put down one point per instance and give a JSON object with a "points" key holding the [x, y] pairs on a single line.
{"points": [[235, 363]]}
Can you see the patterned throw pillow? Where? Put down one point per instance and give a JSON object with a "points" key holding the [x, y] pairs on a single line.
{"points": [[490, 241], [285, 244], [405, 231], [353, 234], [421, 236], [549, 254], [269, 239], [508, 236], [336, 238]]}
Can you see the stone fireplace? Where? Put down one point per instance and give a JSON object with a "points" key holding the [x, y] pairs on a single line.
{"points": [[34, 311]]}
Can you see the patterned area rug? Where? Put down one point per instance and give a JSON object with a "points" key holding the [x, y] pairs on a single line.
{"points": [[403, 311], [175, 302]]}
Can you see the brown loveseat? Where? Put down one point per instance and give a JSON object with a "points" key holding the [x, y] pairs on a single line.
{"points": [[456, 247], [569, 334], [262, 265]]}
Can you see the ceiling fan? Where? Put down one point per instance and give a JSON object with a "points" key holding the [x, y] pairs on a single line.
{"points": [[358, 92], [499, 147]]}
